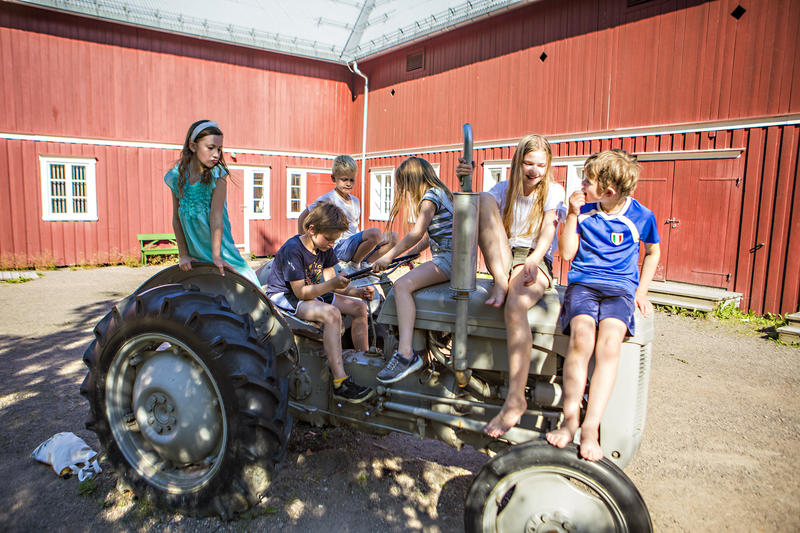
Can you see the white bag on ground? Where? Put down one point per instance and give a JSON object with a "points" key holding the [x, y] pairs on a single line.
{"points": [[68, 454]]}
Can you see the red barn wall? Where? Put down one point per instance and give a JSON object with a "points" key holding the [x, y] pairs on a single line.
{"points": [[77, 77], [674, 66], [607, 67]]}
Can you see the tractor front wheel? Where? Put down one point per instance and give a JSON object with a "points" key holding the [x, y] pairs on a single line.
{"points": [[186, 402], [537, 487]]}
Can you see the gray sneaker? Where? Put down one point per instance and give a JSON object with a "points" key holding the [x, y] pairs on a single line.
{"points": [[397, 368]]}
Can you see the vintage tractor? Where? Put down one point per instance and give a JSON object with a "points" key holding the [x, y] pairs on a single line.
{"points": [[195, 378]]}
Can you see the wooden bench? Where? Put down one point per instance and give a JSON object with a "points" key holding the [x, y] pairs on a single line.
{"points": [[157, 244]]}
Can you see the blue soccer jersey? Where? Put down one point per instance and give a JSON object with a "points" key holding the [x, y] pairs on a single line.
{"points": [[608, 254]]}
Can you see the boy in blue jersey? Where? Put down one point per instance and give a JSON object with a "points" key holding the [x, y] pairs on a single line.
{"points": [[601, 237]]}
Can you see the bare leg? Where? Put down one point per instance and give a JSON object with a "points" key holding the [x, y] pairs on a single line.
{"points": [[610, 334], [423, 276], [370, 238], [576, 367], [494, 245], [520, 300], [389, 240], [358, 310], [331, 319]]}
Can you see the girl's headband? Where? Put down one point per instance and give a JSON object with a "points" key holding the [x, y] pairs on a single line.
{"points": [[200, 127]]}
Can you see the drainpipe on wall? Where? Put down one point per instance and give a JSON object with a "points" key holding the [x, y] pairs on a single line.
{"points": [[363, 140]]}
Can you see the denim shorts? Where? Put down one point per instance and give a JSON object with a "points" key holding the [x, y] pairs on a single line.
{"points": [[597, 302], [346, 248], [444, 260]]}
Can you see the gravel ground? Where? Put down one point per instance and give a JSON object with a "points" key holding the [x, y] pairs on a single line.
{"points": [[723, 428]]}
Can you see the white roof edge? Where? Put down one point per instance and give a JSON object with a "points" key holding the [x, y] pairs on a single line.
{"points": [[166, 21]]}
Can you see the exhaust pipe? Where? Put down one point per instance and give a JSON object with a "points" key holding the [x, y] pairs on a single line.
{"points": [[465, 259]]}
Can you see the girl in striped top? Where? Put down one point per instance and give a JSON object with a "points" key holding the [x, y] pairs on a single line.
{"points": [[430, 204]]}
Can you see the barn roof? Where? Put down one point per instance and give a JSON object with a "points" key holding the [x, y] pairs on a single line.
{"points": [[341, 31]]}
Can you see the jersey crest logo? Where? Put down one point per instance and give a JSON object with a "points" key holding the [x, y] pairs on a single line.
{"points": [[616, 238]]}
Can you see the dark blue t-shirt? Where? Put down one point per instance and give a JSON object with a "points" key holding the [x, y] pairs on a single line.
{"points": [[294, 262]]}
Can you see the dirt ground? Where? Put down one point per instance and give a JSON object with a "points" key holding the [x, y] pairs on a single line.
{"points": [[719, 450]]}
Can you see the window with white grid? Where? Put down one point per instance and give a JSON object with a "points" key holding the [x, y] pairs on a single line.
{"points": [[69, 190], [295, 192], [257, 192], [381, 193]]}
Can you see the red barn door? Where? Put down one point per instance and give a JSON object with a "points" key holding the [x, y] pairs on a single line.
{"points": [[703, 224], [318, 183], [235, 201], [655, 192]]}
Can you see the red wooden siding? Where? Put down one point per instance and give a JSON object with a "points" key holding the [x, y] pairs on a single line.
{"points": [[70, 76], [607, 67], [768, 263], [131, 198], [725, 207]]}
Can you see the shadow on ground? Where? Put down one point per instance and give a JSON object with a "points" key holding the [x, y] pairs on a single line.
{"points": [[331, 476]]}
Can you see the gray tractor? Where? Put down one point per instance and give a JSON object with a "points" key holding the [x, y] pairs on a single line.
{"points": [[194, 381]]}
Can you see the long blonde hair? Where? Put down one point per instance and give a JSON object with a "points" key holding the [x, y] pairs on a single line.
{"points": [[528, 144], [412, 180]]}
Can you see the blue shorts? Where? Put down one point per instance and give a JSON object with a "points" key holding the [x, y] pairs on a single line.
{"points": [[597, 302], [346, 248]]}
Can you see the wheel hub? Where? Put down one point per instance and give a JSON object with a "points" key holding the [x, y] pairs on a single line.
{"points": [[568, 507], [160, 412], [176, 408]]}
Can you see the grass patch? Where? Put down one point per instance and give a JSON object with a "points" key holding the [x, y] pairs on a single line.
{"points": [[681, 311], [17, 280], [263, 511], [767, 324], [87, 487]]}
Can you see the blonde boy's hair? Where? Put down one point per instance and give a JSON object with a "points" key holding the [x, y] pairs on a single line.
{"points": [[613, 168], [343, 164], [326, 218]]}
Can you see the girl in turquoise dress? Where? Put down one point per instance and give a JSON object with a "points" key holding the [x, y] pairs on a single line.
{"points": [[199, 211]]}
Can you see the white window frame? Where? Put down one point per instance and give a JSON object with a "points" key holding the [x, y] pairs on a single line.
{"points": [[249, 188], [574, 166], [90, 183], [488, 166], [377, 201], [303, 172]]}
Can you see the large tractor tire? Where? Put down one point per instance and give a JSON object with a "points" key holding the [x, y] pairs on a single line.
{"points": [[186, 402], [538, 487]]}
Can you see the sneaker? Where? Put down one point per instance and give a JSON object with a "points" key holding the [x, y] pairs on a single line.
{"points": [[351, 392], [397, 368]]}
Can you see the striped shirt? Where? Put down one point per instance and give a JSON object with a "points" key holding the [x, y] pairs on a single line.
{"points": [[440, 229]]}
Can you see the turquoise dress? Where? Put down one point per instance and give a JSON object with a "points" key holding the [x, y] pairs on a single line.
{"points": [[193, 212]]}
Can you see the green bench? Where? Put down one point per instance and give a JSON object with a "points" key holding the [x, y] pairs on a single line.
{"points": [[157, 244]]}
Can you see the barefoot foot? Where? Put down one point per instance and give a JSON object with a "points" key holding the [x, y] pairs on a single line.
{"points": [[561, 436], [507, 418], [590, 444], [497, 295]]}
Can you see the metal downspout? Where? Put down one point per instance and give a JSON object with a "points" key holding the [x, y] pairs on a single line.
{"points": [[363, 140]]}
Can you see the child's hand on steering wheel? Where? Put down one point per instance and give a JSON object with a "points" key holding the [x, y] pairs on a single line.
{"points": [[366, 292], [381, 264]]}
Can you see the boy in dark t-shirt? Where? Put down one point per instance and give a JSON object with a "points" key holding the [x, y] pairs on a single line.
{"points": [[303, 283]]}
